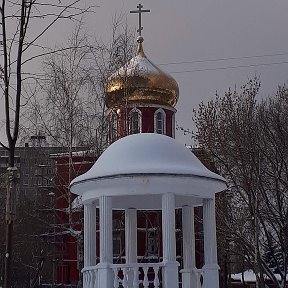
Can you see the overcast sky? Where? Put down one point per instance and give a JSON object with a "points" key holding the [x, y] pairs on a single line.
{"points": [[189, 31]]}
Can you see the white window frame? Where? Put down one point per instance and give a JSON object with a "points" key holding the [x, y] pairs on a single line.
{"points": [[163, 121], [139, 120]]}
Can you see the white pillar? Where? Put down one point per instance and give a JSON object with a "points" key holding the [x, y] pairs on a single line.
{"points": [[131, 235], [105, 273], [189, 271], [105, 217], [211, 268], [89, 235], [170, 270], [130, 241]]}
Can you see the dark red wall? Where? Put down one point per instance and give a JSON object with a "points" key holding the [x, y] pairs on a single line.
{"points": [[67, 271], [147, 120]]}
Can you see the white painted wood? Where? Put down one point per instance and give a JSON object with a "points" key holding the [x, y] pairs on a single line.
{"points": [[105, 273], [106, 252], [211, 268], [189, 278], [136, 277], [124, 280], [168, 227], [188, 237], [89, 235], [95, 279], [134, 268], [170, 269], [85, 282], [145, 280], [156, 281], [89, 279], [130, 241], [116, 279], [197, 275]]}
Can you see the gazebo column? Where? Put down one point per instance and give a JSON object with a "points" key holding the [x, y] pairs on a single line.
{"points": [[89, 235], [170, 270], [131, 240], [189, 271], [105, 273], [211, 268]]}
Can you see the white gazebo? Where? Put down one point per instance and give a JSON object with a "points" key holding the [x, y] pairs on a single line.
{"points": [[148, 171]]}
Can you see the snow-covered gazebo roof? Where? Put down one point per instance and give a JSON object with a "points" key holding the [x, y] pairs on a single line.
{"points": [[157, 161]]}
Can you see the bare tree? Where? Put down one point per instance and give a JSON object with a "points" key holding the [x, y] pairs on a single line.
{"points": [[69, 107], [248, 142], [73, 112], [17, 38]]}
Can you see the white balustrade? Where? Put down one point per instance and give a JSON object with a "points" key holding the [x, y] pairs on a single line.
{"points": [[90, 277], [145, 280], [127, 275], [116, 279], [141, 273], [198, 274], [156, 281], [136, 277]]}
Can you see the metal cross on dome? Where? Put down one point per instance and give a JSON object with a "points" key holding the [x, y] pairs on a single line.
{"points": [[140, 11]]}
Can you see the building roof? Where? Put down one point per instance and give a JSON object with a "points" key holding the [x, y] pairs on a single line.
{"points": [[141, 81], [147, 153], [147, 164]]}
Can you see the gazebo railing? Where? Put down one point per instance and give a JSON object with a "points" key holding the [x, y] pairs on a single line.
{"points": [[90, 277], [133, 275]]}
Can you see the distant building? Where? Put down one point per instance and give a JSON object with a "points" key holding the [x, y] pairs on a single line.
{"points": [[37, 184], [36, 168]]}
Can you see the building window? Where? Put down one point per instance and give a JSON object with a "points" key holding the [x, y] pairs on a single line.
{"points": [[173, 125], [160, 122], [135, 121], [38, 181], [116, 244], [25, 182], [45, 182], [38, 172], [117, 227], [26, 171], [152, 247], [113, 127]]}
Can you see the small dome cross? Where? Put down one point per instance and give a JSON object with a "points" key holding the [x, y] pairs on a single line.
{"points": [[140, 11]]}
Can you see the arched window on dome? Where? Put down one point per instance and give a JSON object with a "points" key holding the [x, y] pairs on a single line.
{"points": [[160, 121], [173, 125], [135, 121]]}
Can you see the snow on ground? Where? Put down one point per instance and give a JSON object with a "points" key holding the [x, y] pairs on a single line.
{"points": [[249, 276]]}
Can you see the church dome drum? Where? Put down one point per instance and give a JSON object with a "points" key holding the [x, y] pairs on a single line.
{"points": [[141, 81]]}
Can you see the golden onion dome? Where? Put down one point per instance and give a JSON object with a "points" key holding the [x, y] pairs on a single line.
{"points": [[141, 81]]}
